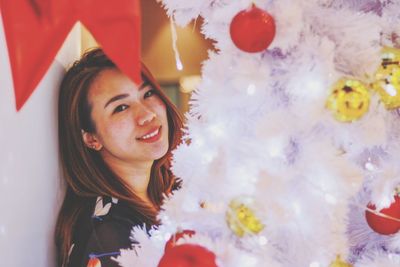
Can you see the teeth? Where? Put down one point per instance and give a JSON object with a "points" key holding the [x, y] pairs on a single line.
{"points": [[150, 134]]}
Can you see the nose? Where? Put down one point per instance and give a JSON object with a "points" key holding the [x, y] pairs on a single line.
{"points": [[144, 115]]}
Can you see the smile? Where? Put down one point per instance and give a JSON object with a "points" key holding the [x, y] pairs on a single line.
{"points": [[153, 136]]}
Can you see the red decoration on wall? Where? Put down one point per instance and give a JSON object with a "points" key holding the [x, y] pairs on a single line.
{"points": [[36, 29], [188, 255], [252, 30], [174, 238], [382, 225]]}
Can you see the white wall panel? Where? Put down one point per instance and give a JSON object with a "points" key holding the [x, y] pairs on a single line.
{"points": [[30, 184]]}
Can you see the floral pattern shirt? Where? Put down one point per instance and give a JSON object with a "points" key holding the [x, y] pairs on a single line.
{"points": [[100, 233]]}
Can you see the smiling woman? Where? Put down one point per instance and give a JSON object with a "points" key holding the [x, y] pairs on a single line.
{"points": [[126, 116], [115, 140]]}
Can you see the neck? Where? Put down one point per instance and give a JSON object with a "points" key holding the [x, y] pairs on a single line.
{"points": [[136, 175]]}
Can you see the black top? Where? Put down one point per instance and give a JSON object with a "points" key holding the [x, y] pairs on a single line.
{"points": [[101, 232]]}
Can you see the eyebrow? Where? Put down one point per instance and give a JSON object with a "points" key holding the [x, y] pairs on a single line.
{"points": [[122, 96], [116, 98], [143, 85]]}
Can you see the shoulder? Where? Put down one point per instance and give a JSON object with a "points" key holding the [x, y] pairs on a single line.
{"points": [[102, 233]]}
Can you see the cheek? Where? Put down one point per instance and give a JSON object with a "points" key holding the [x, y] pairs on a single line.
{"points": [[118, 132], [161, 108], [122, 127]]}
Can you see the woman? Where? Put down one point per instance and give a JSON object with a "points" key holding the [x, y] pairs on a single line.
{"points": [[115, 141]]}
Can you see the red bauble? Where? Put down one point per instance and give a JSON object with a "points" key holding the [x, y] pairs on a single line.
{"points": [[382, 225], [252, 30], [188, 255], [174, 238], [94, 262]]}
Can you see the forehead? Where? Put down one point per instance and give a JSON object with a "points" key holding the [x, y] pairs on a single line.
{"points": [[108, 83]]}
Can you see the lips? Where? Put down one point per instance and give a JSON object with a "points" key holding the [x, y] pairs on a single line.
{"points": [[152, 135]]}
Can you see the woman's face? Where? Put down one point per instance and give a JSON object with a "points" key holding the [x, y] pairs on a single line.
{"points": [[130, 120]]}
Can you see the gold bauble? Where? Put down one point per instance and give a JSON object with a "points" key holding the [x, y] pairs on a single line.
{"points": [[241, 218], [340, 263], [349, 100], [387, 78]]}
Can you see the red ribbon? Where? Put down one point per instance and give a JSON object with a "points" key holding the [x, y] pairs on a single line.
{"points": [[36, 29]]}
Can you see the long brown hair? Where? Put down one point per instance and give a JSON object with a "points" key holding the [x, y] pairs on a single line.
{"points": [[86, 174]]}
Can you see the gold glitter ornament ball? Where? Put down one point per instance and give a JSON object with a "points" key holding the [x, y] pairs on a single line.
{"points": [[241, 218], [349, 100], [340, 263], [387, 78]]}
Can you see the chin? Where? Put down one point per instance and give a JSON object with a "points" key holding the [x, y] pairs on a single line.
{"points": [[159, 152]]}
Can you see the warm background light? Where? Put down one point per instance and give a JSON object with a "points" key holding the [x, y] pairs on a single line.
{"points": [[158, 54]]}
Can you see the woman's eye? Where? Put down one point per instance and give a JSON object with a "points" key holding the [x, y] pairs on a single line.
{"points": [[149, 93], [120, 108]]}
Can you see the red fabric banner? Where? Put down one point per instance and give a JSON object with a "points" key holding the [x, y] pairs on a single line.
{"points": [[36, 29]]}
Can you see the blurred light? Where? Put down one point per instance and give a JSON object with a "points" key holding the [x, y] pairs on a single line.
{"points": [[394, 257], [390, 90], [297, 208], [190, 205], [369, 166], [217, 129], [252, 178], [216, 207], [275, 148], [165, 219], [189, 83], [198, 141], [179, 65], [315, 264], [314, 86], [208, 157], [262, 240], [330, 199], [311, 88], [251, 89], [248, 261]]}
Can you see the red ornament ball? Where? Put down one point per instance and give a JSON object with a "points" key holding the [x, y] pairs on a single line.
{"points": [[382, 225], [252, 30], [188, 255], [174, 238], [94, 262]]}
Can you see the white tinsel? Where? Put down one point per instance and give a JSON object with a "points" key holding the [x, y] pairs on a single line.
{"points": [[259, 129], [380, 260]]}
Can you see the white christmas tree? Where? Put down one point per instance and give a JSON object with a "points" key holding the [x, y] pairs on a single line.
{"points": [[290, 144]]}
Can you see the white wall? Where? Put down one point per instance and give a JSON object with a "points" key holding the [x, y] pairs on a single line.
{"points": [[30, 184]]}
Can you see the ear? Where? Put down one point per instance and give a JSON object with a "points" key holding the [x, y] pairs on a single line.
{"points": [[91, 141]]}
